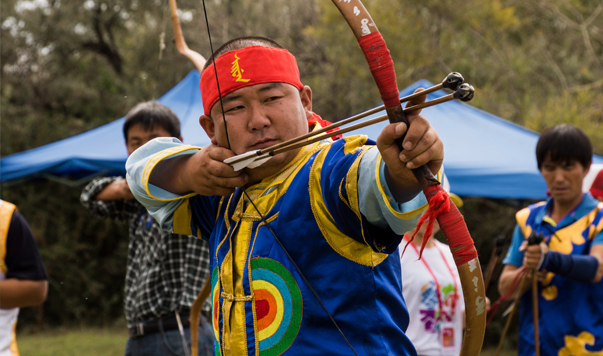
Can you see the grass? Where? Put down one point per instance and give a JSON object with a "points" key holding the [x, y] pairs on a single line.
{"points": [[74, 342], [100, 342]]}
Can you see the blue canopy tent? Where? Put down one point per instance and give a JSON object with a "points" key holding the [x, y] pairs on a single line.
{"points": [[102, 151], [485, 155]]}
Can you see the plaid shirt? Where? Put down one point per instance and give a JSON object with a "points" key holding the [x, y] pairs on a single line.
{"points": [[165, 271]]}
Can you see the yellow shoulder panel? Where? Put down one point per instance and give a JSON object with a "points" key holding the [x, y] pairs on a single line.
{"points": [[341, 243], [522, 217], [182, 219], [353, 143]]}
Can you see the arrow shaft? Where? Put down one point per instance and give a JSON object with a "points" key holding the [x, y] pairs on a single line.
{"points": [[289, 144], [366, 123]]}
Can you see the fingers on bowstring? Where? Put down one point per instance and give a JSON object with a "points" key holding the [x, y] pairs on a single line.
{"points": [[221, 185], [221, 191], [389, 134], [418, 133], [222, 174], [427, 150]]}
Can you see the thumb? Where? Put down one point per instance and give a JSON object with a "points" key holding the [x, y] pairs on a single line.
{"points": [[389, 134]]}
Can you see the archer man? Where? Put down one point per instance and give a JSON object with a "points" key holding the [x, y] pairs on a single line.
{"points": [[569, 258], [304, 247]]}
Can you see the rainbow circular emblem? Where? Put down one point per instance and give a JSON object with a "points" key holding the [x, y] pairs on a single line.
{"points": [[278, 305], [215, 304]]}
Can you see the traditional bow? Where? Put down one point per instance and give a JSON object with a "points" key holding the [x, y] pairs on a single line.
{"points": [[450, 220]]}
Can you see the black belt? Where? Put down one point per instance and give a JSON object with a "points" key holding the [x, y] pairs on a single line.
{"points": [[165, 323]]}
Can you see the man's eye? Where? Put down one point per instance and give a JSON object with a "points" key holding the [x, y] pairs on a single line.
{"points": [[273, 98], [234, 109]]}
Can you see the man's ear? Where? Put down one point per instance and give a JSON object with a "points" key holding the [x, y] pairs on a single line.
{"points": [[208, 125], [306, 98]]}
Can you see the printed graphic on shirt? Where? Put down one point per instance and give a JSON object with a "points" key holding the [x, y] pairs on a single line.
{"points": [[278, 305], [431, 315], [577, 345]]}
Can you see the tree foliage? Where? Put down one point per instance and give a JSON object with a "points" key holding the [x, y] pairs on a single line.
{"points": [[70, 66]]}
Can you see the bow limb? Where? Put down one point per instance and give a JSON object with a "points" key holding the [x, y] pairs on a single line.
{"points": [[181, 46], [199, 61], [440, 207], [196, 314]]}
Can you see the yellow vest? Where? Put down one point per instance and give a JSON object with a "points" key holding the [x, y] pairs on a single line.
{"points": [[8, 317]]}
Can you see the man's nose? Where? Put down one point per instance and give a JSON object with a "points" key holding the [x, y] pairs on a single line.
{"points": [[559, 174], [257, 119]]}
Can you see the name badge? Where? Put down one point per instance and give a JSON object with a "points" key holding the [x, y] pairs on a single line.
{"points": [[447, 339]]}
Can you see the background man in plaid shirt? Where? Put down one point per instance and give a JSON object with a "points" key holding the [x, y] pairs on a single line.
{"points": [[165, 271]]}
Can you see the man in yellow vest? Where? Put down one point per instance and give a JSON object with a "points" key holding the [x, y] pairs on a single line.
{"points": [[23, 280]]}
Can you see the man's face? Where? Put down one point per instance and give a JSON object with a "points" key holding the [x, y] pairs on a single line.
{"points": [[139, 135], [564, 180], [260, 116]]}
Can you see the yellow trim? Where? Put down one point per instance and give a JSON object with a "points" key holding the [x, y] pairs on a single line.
{"points": [[219, 208], [148, 169], [253, 311], [409, 214], [13, 343], [182, 219], [342, 244], [343, 199], [6, 214], [549, 220], [351, 185]]}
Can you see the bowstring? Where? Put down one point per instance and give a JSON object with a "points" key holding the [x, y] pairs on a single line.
{"points": [[263, 219]]}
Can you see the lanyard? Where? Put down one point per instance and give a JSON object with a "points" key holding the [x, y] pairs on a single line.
{"points": [[438, 292]]}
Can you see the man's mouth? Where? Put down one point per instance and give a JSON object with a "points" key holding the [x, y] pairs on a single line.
{"points": [[559, 190], [262, 144]]}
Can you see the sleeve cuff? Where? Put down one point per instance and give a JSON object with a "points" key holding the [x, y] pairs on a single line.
{"points": [[160, 203], [377, 203]]}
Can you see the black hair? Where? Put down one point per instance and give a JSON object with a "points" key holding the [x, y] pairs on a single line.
{"points": [[152, 113], [240, 43], [564, 144]]}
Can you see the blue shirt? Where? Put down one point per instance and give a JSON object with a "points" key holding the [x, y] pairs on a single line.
{"points": [[570, 312], [330, 210]]}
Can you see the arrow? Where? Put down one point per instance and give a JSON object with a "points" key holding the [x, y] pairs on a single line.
{"points": [[253, 159]]}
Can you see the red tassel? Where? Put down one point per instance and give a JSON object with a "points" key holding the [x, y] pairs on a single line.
{"points": [[438, 204]]}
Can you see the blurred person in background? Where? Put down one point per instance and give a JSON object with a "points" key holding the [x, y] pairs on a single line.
{"points": [[165, 271], [432, 292], [570, 257], [23, 280]]}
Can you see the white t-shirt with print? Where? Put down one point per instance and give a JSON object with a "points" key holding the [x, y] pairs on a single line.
{"points": [[418, 289]]}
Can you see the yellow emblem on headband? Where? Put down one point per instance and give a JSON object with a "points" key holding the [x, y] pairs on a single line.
{"points": [[236, 71]]}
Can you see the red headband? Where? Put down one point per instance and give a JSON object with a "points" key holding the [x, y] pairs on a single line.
{"points": [[248, 66]]}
